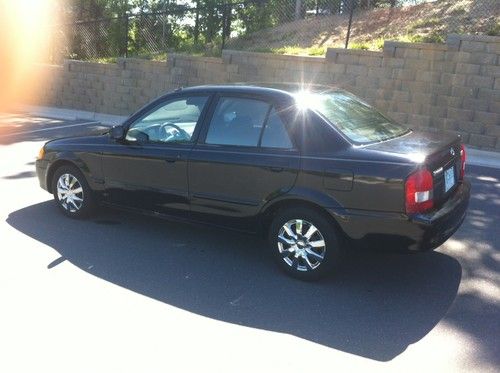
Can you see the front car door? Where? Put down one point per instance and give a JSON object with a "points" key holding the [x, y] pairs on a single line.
{"points": [[244, 158], [148, 169]]}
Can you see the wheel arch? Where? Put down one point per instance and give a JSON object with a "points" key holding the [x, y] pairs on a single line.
{"points": [[270, 210], [53, 168]]}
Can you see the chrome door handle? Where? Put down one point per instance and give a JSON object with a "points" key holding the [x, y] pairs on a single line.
{"points": [[173, 159], [276, 169]]}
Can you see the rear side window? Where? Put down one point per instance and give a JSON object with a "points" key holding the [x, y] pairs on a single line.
{"points": [[275, 134], [247, 122], [237, 121]]}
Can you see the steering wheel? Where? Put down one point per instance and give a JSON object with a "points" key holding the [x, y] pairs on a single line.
{"points": [[174, 133]]}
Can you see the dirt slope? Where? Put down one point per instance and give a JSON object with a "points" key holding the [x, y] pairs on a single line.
{"points": [[428, 22]]}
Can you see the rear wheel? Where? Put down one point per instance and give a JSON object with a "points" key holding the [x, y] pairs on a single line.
{"points": [[72, 192], [304, 243]]}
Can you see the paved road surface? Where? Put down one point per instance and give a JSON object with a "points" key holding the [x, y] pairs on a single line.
{"points": [[122, 292]]}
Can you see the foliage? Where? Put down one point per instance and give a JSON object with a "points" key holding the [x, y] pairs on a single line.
{"points": [[362, 46], [375, 44], [101, 29], [425, 23], [293, 50], [494, 30]]}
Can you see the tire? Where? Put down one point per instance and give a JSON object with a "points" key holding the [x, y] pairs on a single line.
{"points": [[306, 256], [82, 202]]}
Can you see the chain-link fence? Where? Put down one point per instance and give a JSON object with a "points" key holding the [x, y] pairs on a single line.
{"points": [[277, 26]]}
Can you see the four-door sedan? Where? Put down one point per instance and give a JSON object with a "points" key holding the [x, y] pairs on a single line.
{"points": [[313, 169]]}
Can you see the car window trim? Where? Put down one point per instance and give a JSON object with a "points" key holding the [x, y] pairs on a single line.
{"points": [[264, 125], [210, 113], [217, 97], [154, 105]]}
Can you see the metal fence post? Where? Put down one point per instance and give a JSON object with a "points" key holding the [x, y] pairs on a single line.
{"points": [[298, 9], [226, 18], [353, 5], [126, 35], [224, 15]]}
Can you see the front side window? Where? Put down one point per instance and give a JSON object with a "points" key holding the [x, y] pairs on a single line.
{"points": [[172, 121], [357, 120], [237, 121]]}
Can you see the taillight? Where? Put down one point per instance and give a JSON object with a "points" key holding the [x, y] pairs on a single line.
{"points": [[463, 156], [419, 186]]}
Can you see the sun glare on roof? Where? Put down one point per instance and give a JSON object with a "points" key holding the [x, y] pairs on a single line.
{"points": [[306, 99]]}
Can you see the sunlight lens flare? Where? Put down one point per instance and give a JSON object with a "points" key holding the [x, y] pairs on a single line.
{"points": [[305, 100], [23, 41], [417, 157]]}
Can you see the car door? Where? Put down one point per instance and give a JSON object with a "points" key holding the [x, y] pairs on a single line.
{"points": [[148, 169], [244, 158]]}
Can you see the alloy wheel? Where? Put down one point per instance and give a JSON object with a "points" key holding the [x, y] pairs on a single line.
{"points": [[301, 245], [69, 192]]}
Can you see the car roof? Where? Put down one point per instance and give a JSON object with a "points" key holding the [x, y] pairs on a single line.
{"points": [[273, 89]]}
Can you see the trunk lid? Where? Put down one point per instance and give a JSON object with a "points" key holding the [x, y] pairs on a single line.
{"points": [[439, 151]]}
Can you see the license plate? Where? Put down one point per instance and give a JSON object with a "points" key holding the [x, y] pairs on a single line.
{"points": [[449, 179]]}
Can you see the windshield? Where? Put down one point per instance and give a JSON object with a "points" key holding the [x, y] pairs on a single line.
{"points": [[357, 120]]}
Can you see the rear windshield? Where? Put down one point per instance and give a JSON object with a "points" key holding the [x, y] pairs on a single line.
{"points": [[357, 120]]}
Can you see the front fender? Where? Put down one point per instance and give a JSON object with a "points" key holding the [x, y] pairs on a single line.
{"points": [[88, 163]]}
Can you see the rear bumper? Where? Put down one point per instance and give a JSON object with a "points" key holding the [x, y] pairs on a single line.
{"points": [[42, 166], [398, 231]]}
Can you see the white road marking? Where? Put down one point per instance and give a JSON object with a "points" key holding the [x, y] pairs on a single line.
{"points": [[49, 129]]}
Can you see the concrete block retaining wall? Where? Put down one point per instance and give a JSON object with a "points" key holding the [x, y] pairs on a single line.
{"points": [[453, 87]]}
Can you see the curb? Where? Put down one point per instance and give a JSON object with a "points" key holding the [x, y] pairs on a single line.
{"points": [[483, 158], [70, 114]]}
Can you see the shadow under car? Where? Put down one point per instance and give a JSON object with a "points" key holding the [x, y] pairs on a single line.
{"points": [[376, 305]]}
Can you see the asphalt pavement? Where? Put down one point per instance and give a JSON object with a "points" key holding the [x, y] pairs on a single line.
{"points": [[122, 292]]}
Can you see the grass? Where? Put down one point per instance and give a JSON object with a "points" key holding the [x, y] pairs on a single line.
{"points": [[459, 10], [425, 23], [104, 60], [162, 56], [410, 37], [433, 37], [375, 44], [361, 46], [494, 30], [293, 50]]}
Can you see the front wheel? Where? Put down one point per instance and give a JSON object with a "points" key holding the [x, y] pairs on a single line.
{"points": [[304, 243], [72, 192]]}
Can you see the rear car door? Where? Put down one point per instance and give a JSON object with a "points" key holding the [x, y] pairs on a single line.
{"points": [[244, 158], [148, 170]]}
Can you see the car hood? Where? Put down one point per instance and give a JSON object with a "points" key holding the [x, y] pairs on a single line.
{"points": [[80, 140]]}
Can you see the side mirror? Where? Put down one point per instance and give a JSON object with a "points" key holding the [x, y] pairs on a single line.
{"points": [[117, 132], [141, 137]]}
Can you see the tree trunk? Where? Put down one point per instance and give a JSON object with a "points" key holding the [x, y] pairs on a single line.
{"points": [[197, 23], [298, 9]]}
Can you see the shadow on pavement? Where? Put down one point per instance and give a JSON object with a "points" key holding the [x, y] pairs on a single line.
{"points": [[476, 311], [21, 175], [44, 132], [377, 305]]}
